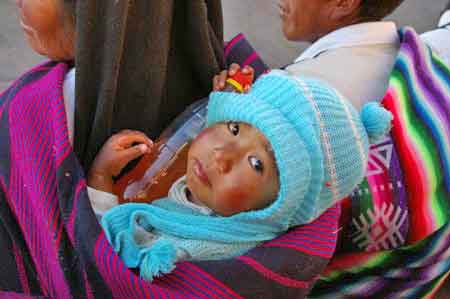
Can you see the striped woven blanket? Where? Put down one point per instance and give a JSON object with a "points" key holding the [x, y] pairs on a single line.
{"points": [[399, 220], [53, 247]]}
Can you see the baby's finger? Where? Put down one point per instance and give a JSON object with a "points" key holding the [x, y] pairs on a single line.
{"points": [[216, 83], [133, 152], [234, 68], [248, 70], [222, 79], [128, 138]]}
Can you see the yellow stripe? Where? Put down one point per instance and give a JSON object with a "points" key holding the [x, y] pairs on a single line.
{"points": [[235, 84]]}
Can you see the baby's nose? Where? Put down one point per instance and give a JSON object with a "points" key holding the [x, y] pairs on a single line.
{"points": [[223, 158]]}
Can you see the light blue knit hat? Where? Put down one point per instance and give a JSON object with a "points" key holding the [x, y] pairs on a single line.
{"points": [[320, 141]]}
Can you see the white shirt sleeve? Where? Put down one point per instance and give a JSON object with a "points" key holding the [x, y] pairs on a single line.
{"points": [[101, 201], [69, 101]]}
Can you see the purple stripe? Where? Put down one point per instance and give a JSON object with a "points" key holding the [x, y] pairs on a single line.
{"points": [[108, 268], [200, 275], [43, 252], [73, 214], [12, 295], [89, 293], [198, 285], [312, 236], [314, 243], [196, 293], [250, 58], [273, 276], [38, 68], [175, 292], [21, 269], [301, 248], [232, 43], [436, 97]]}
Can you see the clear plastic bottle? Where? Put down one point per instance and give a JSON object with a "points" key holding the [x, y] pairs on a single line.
{"points": [[157, 171]]}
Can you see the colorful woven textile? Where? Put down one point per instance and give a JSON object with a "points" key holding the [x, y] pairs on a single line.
{"points": [[406, 197], [53, 247]]}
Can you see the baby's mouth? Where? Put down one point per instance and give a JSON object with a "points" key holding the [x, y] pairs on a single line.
{"points": [[200, 173]]}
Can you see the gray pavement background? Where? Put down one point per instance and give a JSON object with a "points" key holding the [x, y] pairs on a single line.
{"points": [[258, 19]]}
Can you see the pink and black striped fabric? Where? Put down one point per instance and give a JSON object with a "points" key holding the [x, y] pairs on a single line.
{"points": [[53, 247]]}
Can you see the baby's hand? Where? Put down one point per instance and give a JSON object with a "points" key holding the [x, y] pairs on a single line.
{"points": [[219, 81], [115, 154]]}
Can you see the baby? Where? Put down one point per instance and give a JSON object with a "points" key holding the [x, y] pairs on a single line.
{"points": [[271, 159]]}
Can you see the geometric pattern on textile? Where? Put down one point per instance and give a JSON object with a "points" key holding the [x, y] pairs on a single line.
{"points": [[380, 229], [418, 96]]}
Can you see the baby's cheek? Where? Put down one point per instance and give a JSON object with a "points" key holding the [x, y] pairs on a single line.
{"points": [[235, 200]]}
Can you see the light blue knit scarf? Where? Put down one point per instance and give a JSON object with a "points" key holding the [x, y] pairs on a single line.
{"points": [[153, 237]]}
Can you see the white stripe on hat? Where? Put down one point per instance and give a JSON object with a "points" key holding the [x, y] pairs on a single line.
{"points": [[355, 133], [325, 140]]}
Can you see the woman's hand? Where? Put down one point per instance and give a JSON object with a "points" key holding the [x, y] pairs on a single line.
{"points": [[219, 81], [115, 154]]}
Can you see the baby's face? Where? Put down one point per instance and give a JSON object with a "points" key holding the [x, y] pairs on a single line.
{"points": [[231, 169]]}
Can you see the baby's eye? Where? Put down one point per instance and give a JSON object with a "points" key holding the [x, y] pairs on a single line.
{"points": [[256, 164], [233, 127]]}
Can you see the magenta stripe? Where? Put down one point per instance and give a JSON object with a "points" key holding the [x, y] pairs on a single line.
{"points": [[211, 282], [65, 154], [326, 221], [59, 234], [309, 231], [269, 274], [113, 273], [298, 248], [232, 43], [174, 291], [331, 219], [12, 295], [297, 235], [107, 267], [188, 288], [89, 293], [334, 210], [21, 270], [250, 58], [27, 191], [2, 108], [196, 284], [317, 241], [28, 234], [73, 214], [309, 246], [130, 284], [142, 285], [159, 288], [33, 70], [319, 229]]}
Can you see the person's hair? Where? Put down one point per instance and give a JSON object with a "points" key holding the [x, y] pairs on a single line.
{"points": [[377, 9]]}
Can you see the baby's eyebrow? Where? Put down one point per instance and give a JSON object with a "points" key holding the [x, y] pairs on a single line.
{"points": [[268, 149]]}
